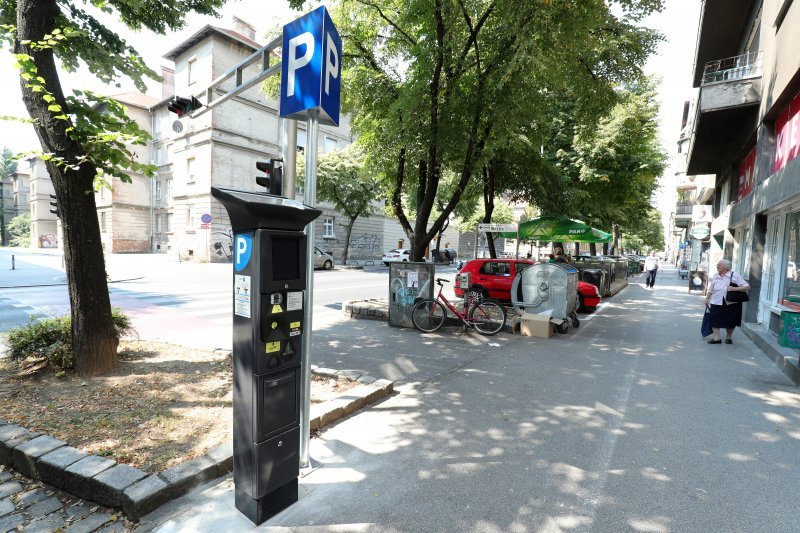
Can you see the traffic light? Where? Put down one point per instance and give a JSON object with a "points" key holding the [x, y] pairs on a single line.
{"points": [[273, 181], [54, 203], [183, 106]]}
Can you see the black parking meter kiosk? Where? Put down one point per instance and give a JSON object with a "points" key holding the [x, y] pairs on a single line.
{"points": [[269, 279]]}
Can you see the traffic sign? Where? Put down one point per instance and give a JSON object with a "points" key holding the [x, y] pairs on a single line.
{"points": [[497, 228], [311, 68], [206, 218]]}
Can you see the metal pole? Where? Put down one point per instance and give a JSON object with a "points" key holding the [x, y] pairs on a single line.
{"points": [[289, 155], [310, 188]]}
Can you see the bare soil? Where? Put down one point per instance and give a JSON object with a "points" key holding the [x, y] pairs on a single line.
{"points": [[163, 405]]}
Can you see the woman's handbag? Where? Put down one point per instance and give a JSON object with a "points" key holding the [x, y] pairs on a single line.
{"points": [[737, 296], [705, 327]]}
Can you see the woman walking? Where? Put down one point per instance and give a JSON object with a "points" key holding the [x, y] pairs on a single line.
{"points": [[724, 314]]}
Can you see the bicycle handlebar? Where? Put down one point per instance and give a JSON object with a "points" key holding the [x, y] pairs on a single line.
{"points": [[439, 281]]}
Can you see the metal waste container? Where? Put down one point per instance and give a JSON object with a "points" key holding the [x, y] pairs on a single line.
{"points": [[789, 335], [408, 283], [544, 287], [596, 277]]}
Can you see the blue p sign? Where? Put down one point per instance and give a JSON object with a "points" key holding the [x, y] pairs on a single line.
{"points": [[242, 249], [311, 67]]}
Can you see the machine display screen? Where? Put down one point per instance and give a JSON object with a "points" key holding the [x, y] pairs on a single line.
{"points": [[285, 258]]}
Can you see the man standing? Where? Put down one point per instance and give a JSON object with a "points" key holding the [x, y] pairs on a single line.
{"points": [[791, 277], [651, 267]]}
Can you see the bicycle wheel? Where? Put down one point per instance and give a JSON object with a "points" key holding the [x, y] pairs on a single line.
{"points": [[487, 317], [428, 315]]}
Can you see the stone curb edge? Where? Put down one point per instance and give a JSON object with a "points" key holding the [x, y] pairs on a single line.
{"points": [[784, 358], [137, 493]]}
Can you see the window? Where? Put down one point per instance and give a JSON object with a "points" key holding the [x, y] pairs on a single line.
{"points": [[190, 217], [191, 70], [769, 271], [190, 169], [158, 190], [103, 222], [159, 220], [328, 224], [169, 188], [169, 222], [330, 145], [790, 296]]}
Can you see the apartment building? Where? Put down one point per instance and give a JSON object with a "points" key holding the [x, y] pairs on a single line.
{"points": [[165, 214], [745, 131], [16, 189]]}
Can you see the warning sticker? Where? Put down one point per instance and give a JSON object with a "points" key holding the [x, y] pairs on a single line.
{"points": [[273, 347], [277, 309], [294, 329], [294, 301], [241, 296]]}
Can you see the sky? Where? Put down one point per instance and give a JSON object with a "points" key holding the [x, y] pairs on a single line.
{"points": [[673, 63]]}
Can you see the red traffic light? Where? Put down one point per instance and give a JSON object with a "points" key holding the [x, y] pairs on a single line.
{"points": [[273, 181], [183, 106]]}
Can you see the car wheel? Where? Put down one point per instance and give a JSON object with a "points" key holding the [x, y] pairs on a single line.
{"points": [[328, 265], [580, 307], [405, 260], [562, 328]]}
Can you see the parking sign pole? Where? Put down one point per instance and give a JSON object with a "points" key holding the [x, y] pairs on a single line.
{"points": [[310, 188]]}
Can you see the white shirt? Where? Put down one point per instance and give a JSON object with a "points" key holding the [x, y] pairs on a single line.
{"points": [[650, 262], [718, 286]]}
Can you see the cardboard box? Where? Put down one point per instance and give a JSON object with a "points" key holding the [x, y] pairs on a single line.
{"points": [[536, 326]]}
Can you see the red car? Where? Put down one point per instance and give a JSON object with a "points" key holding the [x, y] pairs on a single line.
{"points": [[492, 278]]}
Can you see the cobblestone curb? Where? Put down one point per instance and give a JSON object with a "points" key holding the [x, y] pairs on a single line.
{"points": [[43, 461], [372, 309]]}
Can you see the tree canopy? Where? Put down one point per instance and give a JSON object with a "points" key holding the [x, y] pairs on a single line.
{"points": [[466, 87]]}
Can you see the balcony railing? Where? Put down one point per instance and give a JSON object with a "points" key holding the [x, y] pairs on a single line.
{"points": [[733, 68], [683, 208]]}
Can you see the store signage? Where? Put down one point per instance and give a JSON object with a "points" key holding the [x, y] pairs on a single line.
{"points": [[787, 135], [747, 171], [702, 213], [700, 231]]}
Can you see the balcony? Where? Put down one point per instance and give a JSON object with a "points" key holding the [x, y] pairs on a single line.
{"points": [[683, 214], [727, 111]]}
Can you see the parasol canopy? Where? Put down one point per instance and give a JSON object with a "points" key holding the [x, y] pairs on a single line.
{"points": [[559, 229]]}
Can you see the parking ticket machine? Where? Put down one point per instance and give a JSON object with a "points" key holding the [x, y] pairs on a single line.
{"points": [[269, 281]]}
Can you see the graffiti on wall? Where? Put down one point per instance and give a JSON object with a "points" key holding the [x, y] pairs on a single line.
{"points": [[365, 243], [48, 240], [223, 244]]}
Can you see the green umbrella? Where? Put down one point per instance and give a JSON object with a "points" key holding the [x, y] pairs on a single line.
{"points": [[559, 229]]}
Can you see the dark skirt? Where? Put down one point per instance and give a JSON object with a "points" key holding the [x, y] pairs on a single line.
{"points": [[726, 316]]}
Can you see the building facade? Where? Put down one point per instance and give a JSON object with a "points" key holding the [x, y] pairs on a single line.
{"points": [[745, 130]]}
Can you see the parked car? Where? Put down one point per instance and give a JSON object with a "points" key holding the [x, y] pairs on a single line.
{"points": [[492, 278], [393, 256], [322, 260], [444, 255]]}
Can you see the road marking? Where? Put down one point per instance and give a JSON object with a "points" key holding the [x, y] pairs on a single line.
{"points": [[597, 311]]}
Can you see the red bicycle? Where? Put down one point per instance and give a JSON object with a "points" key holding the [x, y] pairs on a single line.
{"points": [[487, 317]]}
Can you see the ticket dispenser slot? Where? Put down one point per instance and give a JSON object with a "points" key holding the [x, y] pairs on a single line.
{"points": [[269, 273]]}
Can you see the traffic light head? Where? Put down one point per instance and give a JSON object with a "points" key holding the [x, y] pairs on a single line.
{"points": [[273, 181], [183, 106], [54, 203]]}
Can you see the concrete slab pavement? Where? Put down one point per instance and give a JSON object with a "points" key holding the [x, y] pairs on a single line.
{"points": [[631, 422]]}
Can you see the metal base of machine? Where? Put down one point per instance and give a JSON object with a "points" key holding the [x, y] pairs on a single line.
{"points": [[260, 510]]}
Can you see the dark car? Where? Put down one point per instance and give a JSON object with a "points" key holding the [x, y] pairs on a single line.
{"points": [[492, 278]]}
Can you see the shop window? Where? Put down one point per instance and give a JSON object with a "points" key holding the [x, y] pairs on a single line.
{"points": [[769, 272], [790, 294]]}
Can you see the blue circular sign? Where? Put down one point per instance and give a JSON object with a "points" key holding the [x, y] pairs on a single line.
{"points": [[206, 218]]}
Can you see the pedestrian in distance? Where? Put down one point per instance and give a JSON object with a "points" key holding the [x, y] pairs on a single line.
{"points": [[558, 252], [725, 313], [651, 267]]}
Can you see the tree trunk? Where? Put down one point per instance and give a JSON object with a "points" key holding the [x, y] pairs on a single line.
{"points": [[350, 225], [94, 340]]}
